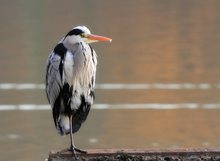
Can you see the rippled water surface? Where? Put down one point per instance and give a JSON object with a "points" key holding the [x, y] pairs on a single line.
{"points": [[157, 82]]}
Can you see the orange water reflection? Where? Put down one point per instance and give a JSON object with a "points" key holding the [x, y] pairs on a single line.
{"points": [[154, 41]]}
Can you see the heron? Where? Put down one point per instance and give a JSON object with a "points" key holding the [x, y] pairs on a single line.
{"points": [[70, 80]]}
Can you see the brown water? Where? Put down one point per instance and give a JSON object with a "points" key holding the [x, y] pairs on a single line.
{"points": [[154, 41]]}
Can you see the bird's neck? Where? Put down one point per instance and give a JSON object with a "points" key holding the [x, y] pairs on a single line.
{"points": [[71, 47]]}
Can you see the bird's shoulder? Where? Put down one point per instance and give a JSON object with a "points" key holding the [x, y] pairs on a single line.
{"points": [[60, 50], [57, 55]]}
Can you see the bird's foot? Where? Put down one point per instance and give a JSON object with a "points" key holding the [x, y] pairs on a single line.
{"points": [[74, 150], [80, 151]]}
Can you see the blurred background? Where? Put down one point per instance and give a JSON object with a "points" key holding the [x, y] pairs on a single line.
{"points": [[157, 82]]}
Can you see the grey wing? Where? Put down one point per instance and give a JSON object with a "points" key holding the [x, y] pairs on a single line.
{"points": [[53, 78]]}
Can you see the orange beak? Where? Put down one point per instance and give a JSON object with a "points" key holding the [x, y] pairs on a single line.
{"points": [[98, 38]]}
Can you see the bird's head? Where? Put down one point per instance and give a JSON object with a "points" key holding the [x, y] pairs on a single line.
{"points": [[83, 34]]}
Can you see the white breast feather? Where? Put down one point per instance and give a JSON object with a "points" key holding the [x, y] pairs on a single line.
{"points": [[79, 69], [68, 68]]}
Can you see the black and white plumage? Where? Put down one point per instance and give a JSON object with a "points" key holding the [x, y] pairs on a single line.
{"points": [[70, 80]]}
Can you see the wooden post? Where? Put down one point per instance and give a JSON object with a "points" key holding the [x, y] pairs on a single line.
{"points": [[140, 155]]}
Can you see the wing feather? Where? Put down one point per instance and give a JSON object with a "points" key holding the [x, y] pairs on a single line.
{"points": [[53, 78]]}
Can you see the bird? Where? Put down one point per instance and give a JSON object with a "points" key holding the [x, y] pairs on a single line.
{"points": [[70, 80]]}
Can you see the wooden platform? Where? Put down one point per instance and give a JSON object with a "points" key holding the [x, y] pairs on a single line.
{"points": [[139, 155]]}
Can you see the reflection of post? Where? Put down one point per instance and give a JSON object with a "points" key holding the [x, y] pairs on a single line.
{"points": [[139, 154]]}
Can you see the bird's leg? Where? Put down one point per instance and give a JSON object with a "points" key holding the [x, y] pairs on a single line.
{"points": [[73, 148], [71, 133]]}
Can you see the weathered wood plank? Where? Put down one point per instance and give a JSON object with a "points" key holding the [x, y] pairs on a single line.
{"points": [[140, 155]]}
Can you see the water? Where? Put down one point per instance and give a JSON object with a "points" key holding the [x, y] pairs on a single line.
{"points": [[157, 82]]}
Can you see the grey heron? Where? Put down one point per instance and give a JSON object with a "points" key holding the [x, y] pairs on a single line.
{"points": [[70, 80]]}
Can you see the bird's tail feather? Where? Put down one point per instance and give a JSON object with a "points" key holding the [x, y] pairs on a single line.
{"points": [[63, 125]]}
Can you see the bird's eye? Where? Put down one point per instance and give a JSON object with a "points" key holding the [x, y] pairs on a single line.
{"points": [[83, 35]]}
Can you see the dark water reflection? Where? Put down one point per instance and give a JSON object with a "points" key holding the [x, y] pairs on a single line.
{"points": [[153, 41]]}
